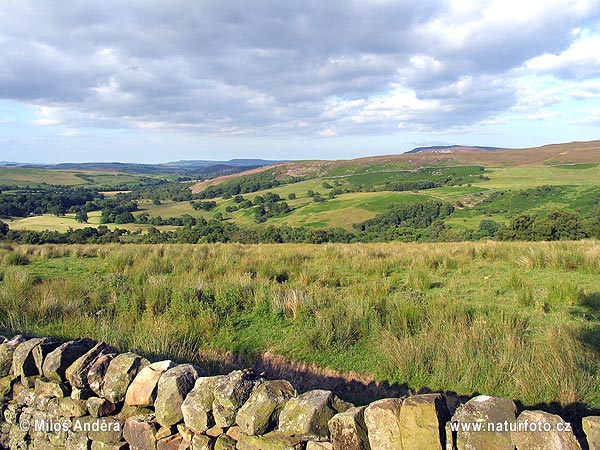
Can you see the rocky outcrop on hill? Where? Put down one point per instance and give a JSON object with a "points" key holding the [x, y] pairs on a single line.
{"points": [[82, 395]]}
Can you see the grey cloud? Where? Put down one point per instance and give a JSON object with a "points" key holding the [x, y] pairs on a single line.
{"points": [[265, 67]]}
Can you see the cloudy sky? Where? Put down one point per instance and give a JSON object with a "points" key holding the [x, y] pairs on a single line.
{"points": [[155, 81]]}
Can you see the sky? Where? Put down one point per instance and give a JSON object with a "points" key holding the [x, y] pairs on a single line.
{"points": [[157, 81]]}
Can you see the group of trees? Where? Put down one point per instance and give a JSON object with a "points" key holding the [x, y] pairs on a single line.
{"points": [[240, 203], [119, 210], [243, 185], [411, 185], [164, 190], [219, 231], [266, 206], [87, 235], [558, 225], [58, 201], [182, 221], [420, 215], [269, 205], [203, 206]]}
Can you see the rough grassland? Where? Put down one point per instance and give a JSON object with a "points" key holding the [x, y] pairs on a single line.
{"points": [[557, 154], [28, 177], [511, 319], [23, 177]]}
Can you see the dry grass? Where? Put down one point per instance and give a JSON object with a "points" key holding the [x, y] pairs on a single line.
{"points": [[509, 319]]}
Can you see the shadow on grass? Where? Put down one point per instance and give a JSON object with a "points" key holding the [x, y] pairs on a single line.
{"points": [[590, 338], [591, 300], [362, 392], [5, 332]]}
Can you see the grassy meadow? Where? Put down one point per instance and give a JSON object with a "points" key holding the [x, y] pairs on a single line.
{"points": [[520, 320], [31, 177]]}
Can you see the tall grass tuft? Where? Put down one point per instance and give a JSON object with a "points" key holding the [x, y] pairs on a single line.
{"points": [[418, 278], [565, 292], [526, 297], [16, 259]]}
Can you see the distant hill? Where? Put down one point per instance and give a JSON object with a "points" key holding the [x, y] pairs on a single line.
{"points": [[455, 155], [184, 167], [454, 149], [231, 162]]}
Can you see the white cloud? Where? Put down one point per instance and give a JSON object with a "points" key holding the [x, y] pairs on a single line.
{"points": [[48, 116], [581, 60], [590, 119], [327, 133], [586, 90], [73, 133], [45, 122]]}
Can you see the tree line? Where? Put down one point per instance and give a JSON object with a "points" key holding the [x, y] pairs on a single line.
{"points": [[58, 201], [402, 223]]}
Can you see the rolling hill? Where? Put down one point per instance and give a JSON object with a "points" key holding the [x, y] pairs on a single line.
{"points": [[554, 154], [454, 149], [493, 185]]}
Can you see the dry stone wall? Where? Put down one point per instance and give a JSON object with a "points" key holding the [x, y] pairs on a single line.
{"points": [[81, 394]]}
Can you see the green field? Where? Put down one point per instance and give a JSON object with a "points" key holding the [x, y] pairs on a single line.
{"points": [[26, 177], [63, 223], [342, 211], [522, 177], [34, 177], [463, 317], [579, 166], [449, 192]]}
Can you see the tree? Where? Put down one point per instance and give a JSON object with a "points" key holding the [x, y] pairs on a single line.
{"points": [[3, 229], [205, 206], [271, 197], [143, 217], [567, 224], [292, 196], [594, 223], [57, 210], [188, 221], [81, 216], [488, 228], [124, 217]]}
